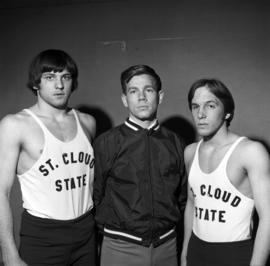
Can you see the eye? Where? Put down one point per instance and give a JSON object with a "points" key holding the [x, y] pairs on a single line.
{"points": [[211, 106], [131, 91], [49, 77], [67, 77], [194, 106], [150, 89]]}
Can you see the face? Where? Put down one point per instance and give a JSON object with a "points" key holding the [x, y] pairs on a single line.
{"points": [[208, 112], [142, 98], [55, 88]]}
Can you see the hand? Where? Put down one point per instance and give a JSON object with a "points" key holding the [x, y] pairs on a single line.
{"points": [[15, 262], [183, 261]]}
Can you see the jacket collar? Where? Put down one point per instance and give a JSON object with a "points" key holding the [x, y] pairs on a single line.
{"points": [[133, 125]]}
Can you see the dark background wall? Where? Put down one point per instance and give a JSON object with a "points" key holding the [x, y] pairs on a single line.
{"points": [[182, 40]]}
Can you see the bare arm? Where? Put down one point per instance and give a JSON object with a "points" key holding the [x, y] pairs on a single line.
{"points": [[189, 210], [188, 222], [9, 152], [89, 124], [258, 168]]}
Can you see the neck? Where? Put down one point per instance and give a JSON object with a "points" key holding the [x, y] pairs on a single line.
{"points": [[218, 138], [50, 111], [143, 123]]}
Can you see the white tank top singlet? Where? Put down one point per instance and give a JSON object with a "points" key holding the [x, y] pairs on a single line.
{"points": [[60, 183], [221, 212]]}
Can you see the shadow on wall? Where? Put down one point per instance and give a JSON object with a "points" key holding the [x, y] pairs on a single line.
{"points": [[181, 127], [103, 120]]}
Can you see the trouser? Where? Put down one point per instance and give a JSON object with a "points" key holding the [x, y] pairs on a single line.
{"points": [[56, 242], [116, 252], [202, 253]]}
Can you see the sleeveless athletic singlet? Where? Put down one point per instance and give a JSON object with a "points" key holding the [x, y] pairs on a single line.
{"points": [[59, 184], [221, 213]]}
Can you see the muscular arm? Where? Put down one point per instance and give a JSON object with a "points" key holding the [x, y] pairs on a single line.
{"points": [[9, 152], [189, 210], [258, 168], [188, 222], [89, 124]]}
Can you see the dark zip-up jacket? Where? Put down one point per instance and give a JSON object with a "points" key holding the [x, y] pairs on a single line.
{"points": [[140, 183]]}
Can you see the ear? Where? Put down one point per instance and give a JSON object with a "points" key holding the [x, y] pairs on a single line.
{"points": [[35, 88], [227, 116], [124, 100], [160, 95]]}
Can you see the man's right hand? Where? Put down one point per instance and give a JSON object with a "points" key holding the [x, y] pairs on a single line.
{"points": [[15, 262]]}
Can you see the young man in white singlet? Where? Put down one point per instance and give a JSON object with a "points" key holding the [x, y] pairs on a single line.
{"points": [[48, 147], [229, 176]]}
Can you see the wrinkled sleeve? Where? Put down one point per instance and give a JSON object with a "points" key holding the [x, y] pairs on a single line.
{"points": [[101, 169], [182, 198]]}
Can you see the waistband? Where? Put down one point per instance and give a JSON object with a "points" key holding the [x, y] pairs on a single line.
{"points": [[139, 240], [48, 221], [223, 244]]}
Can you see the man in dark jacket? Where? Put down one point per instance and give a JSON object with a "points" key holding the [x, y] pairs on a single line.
{"points": [[140, 181]]}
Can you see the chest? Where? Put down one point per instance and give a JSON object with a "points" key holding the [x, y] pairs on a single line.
{"points": [[219, 164], [34, 138], [63, 131]]}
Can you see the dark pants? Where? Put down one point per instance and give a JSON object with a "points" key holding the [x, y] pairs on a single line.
{"points": [[56, 242], [201, 253]]}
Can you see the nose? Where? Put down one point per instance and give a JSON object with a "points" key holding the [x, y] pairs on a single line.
{"points": [[142, 96], [201, 113], [59, 83]]}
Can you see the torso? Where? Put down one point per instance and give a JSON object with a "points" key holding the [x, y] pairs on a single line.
{"points": [[55, 164], [221, 190], [32, 137], [210, 158]]}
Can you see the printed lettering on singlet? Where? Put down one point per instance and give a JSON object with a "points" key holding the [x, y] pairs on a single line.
{"points": [[66, 159], [223, 197]]}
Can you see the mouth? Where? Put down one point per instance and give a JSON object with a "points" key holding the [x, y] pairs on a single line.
{"points": [[202, 125], [144, 107]]}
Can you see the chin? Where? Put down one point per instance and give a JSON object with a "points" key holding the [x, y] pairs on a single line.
{"points": [[146, 117], [60, 106], [204, 133]]}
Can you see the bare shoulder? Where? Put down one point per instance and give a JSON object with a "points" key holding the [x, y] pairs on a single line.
{"points": [[252, 150], [13, 125], [190, 150], [189, 154], [253, 155], [88, 123]]}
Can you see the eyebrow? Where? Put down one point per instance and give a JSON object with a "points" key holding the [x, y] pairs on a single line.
{"points": [[54, 74], [47, 73], [146, 86], [207, 102], [212, 101], [131, 88]]}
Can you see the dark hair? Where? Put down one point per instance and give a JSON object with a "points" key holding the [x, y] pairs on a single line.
{"points": [[51, 60], [216, 87], [136, 70]]}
